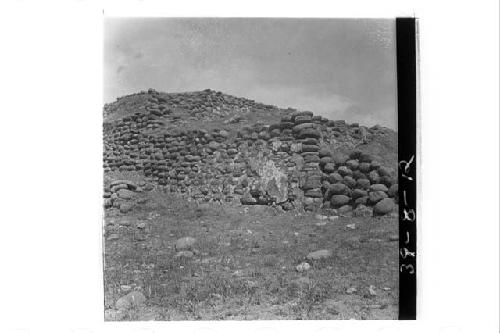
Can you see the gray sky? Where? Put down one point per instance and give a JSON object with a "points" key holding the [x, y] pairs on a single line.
{"points": [[341, 69]]}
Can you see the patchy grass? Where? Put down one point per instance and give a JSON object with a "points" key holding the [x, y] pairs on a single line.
{"points": [[244, 263]]}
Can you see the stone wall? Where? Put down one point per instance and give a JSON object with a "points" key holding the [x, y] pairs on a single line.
{"points": [[293, 163]]}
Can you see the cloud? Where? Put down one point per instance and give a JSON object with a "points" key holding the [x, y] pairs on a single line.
{"points": [[370, 117], [341, 69], [328, 105]]}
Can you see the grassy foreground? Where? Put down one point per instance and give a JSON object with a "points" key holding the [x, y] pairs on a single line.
{"points": [[244, 263]]}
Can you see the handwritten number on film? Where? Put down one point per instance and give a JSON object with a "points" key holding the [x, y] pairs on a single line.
{"points": [[407, 268], [408, 216]]}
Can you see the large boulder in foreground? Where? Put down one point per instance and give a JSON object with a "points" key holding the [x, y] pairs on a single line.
{"points": [[320, 254], [133, 299], [185, 243], [384, 206]]}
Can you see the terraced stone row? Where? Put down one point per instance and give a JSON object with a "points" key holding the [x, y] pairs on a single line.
{"points": [[121, 194], [222, 165]]}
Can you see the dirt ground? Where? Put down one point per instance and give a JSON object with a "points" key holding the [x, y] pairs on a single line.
{"points": [[244, 263]]}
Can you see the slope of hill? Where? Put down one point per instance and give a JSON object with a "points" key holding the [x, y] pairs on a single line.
{"points": [[199, 109], [209, 109], [212, 146]]}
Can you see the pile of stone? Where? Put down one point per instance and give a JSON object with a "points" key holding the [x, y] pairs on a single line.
{"points": [[292, 163], [306, 130], [357, 181], [121, 194], [209, 103]]}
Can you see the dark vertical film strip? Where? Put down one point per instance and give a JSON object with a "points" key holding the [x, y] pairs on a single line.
{"points": [[407, 171]]}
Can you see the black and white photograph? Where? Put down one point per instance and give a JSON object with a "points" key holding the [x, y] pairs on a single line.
{"points": [[263, 167], [250, 169]]}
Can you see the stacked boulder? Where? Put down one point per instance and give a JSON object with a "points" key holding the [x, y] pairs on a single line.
{"points": [[357, 181], [122, 193], [307, 135], [206, 104], [292, 163]]}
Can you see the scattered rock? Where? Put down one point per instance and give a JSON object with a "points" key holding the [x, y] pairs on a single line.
{"points": [[185, 243], [351, 291], [351, 226], [302, 267], [133, 299], [320, 254]]}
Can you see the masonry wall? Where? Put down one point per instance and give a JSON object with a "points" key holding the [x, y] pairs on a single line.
{"points": [[292, 163]]}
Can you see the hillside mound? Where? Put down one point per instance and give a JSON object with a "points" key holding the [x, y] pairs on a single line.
{"points": [[210, 146], [199, 109]]}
